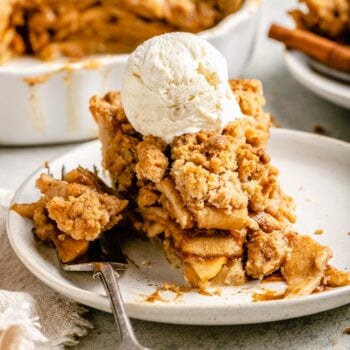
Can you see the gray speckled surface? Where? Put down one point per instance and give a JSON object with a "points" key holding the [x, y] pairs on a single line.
{"points": [[321, 331], [294, 107]]}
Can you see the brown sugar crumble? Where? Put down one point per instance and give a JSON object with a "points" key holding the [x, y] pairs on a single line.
{"points": [[319, 129], [347, 331], [275, 123], [319, 231]]}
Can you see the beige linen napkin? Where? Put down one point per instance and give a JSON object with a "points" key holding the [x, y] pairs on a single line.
{"points": [[32, 316]]}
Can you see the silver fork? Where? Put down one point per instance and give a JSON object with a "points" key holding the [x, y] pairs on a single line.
{"points": [[103, 258]]}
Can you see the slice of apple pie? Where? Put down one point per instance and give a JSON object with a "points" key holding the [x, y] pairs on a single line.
{"points": [[212, 198]]}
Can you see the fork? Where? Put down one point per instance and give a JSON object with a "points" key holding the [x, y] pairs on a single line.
{"points": [[104, 257]]}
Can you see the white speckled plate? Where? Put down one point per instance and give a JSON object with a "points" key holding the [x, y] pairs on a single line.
{"points": [[314, 169], [333, 90]]}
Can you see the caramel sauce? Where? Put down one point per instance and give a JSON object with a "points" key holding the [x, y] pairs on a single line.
{"points": [[204, 292], [273, 278], [319, 129], [239, 238], [275, 123], [106, 73], [347, 331], [154, 297], [34, 108], [38, 79], [268, 295], [35, 111], [170, 287], [178, 290], [184, 289], [218, 291], [71, 98]]}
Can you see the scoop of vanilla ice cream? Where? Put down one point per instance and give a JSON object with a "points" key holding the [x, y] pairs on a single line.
{"points": [[176, 84]]}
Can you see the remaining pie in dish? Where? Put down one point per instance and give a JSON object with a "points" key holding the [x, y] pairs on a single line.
{"points": [[330, 19], [50, 29]]}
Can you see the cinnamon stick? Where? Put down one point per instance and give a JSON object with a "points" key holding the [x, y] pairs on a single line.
{"points": [[321, 49]]}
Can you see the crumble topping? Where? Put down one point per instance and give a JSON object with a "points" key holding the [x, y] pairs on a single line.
{"points": [[119, 140], [86, 216], [152, 163], [204, 171]]}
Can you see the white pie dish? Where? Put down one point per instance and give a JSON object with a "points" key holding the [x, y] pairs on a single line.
{"points": [[328, 71], [313, 169], [55, 109]]}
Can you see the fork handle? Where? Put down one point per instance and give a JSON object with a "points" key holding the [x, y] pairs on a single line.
{"points": [[108, 277]]}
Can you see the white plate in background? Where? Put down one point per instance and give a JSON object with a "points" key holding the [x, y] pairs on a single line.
{"points": [[330, 72], [331, 89], [313, 169]]}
